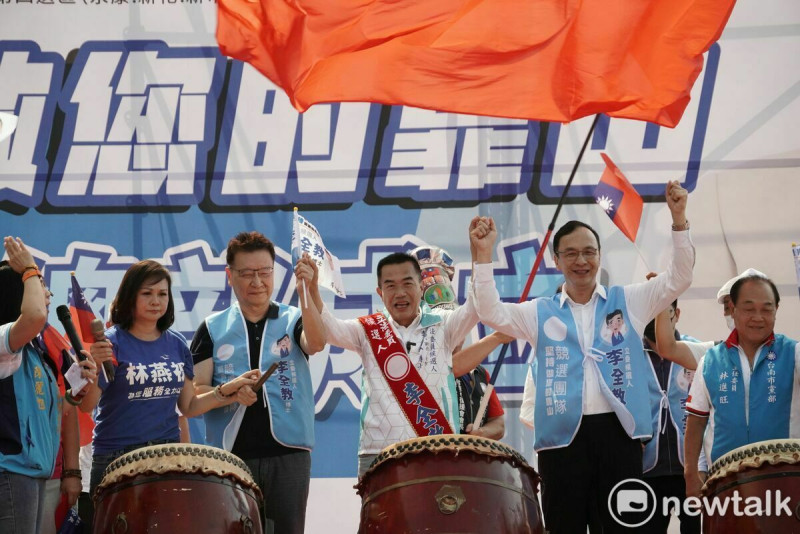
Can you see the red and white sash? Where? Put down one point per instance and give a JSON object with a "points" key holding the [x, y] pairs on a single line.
{"points": [[419, 406]]}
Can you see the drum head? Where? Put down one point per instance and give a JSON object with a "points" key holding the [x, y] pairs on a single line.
{"points": [[179, 458]]}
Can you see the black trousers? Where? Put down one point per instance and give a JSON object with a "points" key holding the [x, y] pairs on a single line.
{"points": [[577, 479], [669, 486]]}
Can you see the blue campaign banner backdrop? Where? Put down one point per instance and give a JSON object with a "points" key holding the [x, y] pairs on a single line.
{"points": [[138, 139]]}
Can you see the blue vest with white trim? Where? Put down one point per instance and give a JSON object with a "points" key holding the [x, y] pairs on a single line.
{"points": [[626, 378], [676, 394], [38, 405], [770, 394], [289, 394]]}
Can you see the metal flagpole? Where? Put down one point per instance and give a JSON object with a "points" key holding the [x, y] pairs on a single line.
{"points": [[532, 275]]}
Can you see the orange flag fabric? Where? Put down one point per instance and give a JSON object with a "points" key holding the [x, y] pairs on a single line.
{"points": [[549, 60]]}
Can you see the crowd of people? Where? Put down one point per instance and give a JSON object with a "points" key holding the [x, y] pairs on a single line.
{"points": [[607, 392]]}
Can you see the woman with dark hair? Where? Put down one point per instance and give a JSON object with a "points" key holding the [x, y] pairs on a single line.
{"points": [[30, 402], [154, 372]]}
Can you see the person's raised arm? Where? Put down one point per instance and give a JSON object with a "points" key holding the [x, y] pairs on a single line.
{"points": [[647, 299], [515, 320], [482, 236], [313, 338], [33, 311], [670, 348], [470, 357]]}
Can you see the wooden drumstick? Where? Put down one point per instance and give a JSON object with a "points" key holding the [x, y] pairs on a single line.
{"points": [[482, 407], [264, 377]]}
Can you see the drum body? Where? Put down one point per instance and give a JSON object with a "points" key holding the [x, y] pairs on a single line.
{"points": [[177, 488], [450, 484], [756, 471]]}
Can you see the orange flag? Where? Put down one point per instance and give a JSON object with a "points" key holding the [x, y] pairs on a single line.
{"points": [[550, 60]]}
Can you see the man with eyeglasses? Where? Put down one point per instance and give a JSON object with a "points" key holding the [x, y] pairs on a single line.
{"points": [[592, 398], [746, 389], [271, 429]]}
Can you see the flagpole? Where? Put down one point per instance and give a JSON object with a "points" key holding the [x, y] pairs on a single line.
{"points": [[304, 304], [796, 256], [532, 275], [646, 266]]}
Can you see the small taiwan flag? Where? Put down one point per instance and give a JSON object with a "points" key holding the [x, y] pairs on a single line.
{"points": [[619, 199]]}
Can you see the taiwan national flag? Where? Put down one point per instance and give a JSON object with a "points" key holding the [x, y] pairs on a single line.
{"points": [[82, 317], [619, 199], [82, 314]]}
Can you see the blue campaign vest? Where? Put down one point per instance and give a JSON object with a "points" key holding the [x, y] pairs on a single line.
{"points": [[561, 365], [39, 416], [770, 396], [677, 393], [290, 397]]}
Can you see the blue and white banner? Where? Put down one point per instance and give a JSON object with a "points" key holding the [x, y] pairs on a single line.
{"points": [[137, 139]]}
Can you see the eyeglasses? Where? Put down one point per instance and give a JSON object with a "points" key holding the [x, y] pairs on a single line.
{"points": [[571, 255], [251, 274]]}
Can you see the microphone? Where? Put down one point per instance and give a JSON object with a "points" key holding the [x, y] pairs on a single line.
{"points": [[66, 321], [99, 334], [409, 345]]}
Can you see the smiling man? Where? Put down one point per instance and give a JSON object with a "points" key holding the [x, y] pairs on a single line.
{"points": [[407, 353], [271, 429], [592, 409], [748, 388]]}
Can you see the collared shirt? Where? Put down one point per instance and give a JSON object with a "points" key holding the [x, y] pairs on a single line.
{"points": [[429, 340], [255, 438], [643, 300], [699, 399], [700, 404]]}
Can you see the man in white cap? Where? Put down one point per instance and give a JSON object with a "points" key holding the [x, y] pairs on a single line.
{"points": [[8, 123], [746, 389], [724, 298]]}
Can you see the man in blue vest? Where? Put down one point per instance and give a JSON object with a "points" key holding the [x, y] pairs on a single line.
{"points": [[663, 455], [592, 407], [272, 429], [746, 389]]}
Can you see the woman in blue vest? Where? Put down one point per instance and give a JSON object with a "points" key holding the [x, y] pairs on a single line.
{"points": [[30, 404], [153, 375]]}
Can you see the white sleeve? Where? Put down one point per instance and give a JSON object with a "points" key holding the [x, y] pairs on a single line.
{"points": [[345, 334], [9, 361], [698, 348], [699, 402], [646, 299], [516, 320], [528, 400], [459, 322]]}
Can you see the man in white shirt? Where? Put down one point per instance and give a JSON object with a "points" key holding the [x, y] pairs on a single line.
{"points": [[423, 341], [747, 388], [592, 408]]}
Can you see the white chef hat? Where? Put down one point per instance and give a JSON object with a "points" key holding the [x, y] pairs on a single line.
{"points": [[725, 290]]}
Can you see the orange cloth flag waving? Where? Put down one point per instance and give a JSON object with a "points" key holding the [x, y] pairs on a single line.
{"points": [[551, 60]]}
